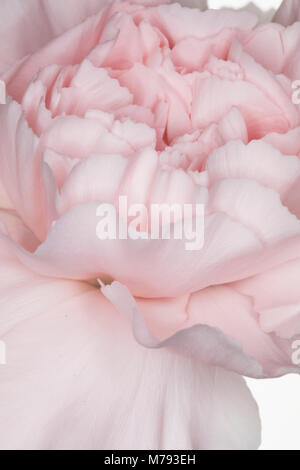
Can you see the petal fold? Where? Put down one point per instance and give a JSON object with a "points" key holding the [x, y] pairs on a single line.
{"points": [[91, 386]]}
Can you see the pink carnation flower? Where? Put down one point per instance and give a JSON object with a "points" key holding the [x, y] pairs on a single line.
{"points": [[161, 104]]}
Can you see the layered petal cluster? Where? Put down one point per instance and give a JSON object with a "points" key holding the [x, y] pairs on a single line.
{"points": [[163, 104]]}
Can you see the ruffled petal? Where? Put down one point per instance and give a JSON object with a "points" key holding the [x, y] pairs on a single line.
{"points": [[263, 39], [205, 343], [214, 97], [268, 83], [29, 25], [288, 144], [275, 297], [232, 310], [256, 207], [257, 161], [71, 47], [68, 49], [233, 249], [221, 325], [26, 178], [179, 23], [138, 263], [232, 213]]}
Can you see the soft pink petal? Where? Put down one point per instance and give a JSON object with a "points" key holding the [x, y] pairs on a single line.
{"points": [[105, 177], [30, 24], [242, 230], [284, 321], [231, 251], [126, 43], [138, 264], [190, 151], [5, 202], [256, 207], [292, 199], [275, 47], [206, 344], [27, 179], [78, 138], [263, 39], [179, 23], [14, 228], [288, 13], [91, 88], [37, 114], [267, 82], [275, 296], [164, 87], [273, 288], [214, 97], [193, 53], [69, 48], [95, 178], [258, 161], [60, 165], [91, 386], [288, 144], [236, 316]]}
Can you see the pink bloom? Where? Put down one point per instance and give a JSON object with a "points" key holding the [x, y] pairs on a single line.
{"points": [[162, 104]]}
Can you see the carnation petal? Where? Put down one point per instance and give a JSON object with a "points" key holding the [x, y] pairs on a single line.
{"points": [[30, 25], [234, 313], [288, 143], [214, 97], [257, 161], [69, 48], [179, 23], [26, 177], [256, 207], [85, 353], [288, 13]]}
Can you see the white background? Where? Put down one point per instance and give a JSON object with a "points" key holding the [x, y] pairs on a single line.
{"points": [[278, 399], [279, 403], [262, 4]]}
